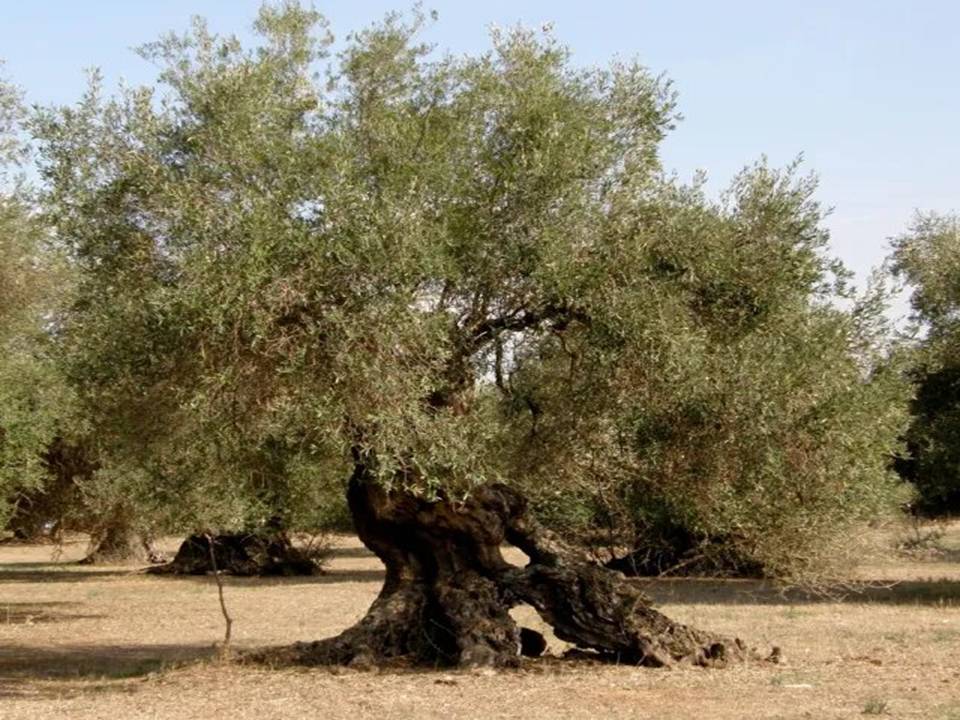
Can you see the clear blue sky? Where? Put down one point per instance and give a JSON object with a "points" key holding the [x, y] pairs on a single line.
{"points": [[868, 91]]}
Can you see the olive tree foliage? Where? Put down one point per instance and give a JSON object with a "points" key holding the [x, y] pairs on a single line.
{"points": [[927, 256], [33, 401], [460, 270], [741, 422]]}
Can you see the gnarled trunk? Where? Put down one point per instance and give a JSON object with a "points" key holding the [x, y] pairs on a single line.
{"points": [[268, 552], [119, 543], [448, 591]]}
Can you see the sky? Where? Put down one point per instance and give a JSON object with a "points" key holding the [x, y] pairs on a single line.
{"points": [[866, 91]]}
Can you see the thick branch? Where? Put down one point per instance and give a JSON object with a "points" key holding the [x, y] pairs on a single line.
{"points": [[485, 331], [476, 336]]}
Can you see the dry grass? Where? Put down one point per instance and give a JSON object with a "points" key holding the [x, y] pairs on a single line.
{"points": [[78, 642]]}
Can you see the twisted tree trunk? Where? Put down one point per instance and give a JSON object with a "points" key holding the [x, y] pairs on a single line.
{"points": [[448, 591], [119, 543]]}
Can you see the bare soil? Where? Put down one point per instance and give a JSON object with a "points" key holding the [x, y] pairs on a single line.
{"points": [[112, 642]]}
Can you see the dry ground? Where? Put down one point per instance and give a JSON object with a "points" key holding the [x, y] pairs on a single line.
{"points": [[109, 642]]}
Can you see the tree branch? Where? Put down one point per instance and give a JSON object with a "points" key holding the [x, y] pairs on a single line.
{"points": [[473, 339]]}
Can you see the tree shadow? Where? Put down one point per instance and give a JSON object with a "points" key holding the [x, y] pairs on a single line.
{"points": [[30, 613], [20, 666], [59, 572], [330, 577], [712, 591], [71, 573], [358, 551]]}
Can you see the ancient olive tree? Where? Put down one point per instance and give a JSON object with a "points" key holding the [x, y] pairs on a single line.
{"points": [[33, 400], [452, 280], [928, 258]]}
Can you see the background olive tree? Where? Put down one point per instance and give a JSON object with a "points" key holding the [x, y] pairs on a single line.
{"points": [[927, 257], [35, 405]]}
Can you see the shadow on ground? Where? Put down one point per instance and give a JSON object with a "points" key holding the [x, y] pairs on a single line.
{"points": [[331, 577], [686, 590], [22, 667], [67, 573], [19, 613], [349, 552], [712, 591], [59, 572]]}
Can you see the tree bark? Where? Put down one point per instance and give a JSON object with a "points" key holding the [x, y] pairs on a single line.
{"points": [[119, 543], [251, 554], [448, 591]]}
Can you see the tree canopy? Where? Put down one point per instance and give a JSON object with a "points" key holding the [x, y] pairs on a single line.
{"points": [[465, 290], [33, 400], [927, 256], [460, 270]]}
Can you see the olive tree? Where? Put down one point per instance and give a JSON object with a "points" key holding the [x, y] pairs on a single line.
{"points": [[927, 256], [33, 400], [456, 282]]}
